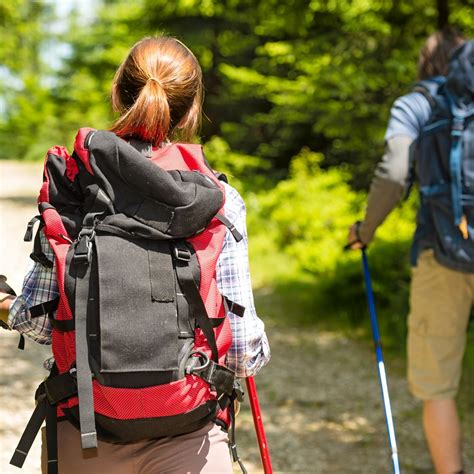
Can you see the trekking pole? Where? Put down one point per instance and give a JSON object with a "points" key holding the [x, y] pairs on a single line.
{"points": [[257, 420], [381, 366]]}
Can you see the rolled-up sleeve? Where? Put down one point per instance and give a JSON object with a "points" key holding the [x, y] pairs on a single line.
{"points": [[408, 116], [39, 286], [250, 350]]}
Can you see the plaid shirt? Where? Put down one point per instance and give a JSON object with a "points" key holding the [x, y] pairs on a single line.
{"points": [[249, 351]]}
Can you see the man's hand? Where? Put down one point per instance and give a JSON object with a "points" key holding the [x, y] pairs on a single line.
{"points": [[353, 240]]}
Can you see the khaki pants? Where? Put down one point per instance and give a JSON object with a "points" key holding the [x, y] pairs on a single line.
{"points": [[440, 301], [203, 451]]}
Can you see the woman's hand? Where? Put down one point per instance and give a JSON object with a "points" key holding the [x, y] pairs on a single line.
{"points": [[5, 302]]}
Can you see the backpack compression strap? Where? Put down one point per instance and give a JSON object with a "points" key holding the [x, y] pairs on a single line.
{"points": [[82, 259], [53, 390], [44, 410], [32, 428], [182, 257], [84, 374], [455, 161]]}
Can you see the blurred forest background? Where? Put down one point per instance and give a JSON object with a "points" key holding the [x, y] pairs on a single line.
{"points": [[298, 94]]}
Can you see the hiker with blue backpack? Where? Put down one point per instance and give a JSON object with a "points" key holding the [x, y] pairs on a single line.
{"points": [[430, 138], [140, 281]]}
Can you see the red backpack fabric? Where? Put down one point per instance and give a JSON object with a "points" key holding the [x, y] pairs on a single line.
{"points": [[140, 332]]}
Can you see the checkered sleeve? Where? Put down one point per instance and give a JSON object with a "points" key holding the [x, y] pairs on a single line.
{"points": [[250, 350], [39, 286]]}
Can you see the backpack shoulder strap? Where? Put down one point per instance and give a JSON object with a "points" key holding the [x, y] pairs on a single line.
{"points": [[429, 88], [81, 144]]}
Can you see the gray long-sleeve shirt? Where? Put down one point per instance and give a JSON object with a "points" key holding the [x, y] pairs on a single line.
{"points": [[407, 117]]}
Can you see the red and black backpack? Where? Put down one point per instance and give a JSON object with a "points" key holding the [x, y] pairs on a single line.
{"points": [[140, 332]]}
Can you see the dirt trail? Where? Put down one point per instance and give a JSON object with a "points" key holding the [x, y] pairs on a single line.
{"points": [[319, 395]]}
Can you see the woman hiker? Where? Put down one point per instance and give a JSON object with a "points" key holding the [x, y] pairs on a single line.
{"points": [[157, 92]]}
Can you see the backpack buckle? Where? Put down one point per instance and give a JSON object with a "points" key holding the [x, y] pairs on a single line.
{"points": [[457, 127], [182, 254], [29, 229], [83, 251]]}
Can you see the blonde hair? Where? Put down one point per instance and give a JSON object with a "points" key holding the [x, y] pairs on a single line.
{"points": [[158, 92]]}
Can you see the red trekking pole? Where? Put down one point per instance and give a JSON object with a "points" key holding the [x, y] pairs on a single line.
{"points": [[257, 420]]}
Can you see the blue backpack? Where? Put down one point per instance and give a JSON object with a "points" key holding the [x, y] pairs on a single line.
{"points": [[444, 165]]}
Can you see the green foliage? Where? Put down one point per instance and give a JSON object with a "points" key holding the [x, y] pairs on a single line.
{"points": [[242, 171], [279, 75], [311, 211], [29, 108], [297, 234], [21, 35]]}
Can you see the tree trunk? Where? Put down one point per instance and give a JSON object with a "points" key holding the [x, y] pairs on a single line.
{"points": [[443, 13]]}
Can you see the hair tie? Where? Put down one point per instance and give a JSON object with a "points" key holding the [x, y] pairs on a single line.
{"points": [[154, 79]]}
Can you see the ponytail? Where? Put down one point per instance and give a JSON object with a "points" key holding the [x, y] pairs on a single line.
{"points": [[158, 92], [148, 117]]}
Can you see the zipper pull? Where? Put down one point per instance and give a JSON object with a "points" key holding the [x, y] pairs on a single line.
{"points": [[463, 227]]}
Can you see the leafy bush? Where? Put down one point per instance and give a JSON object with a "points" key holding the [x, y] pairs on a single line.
{"points": [[311, 211], [298, 230]]}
